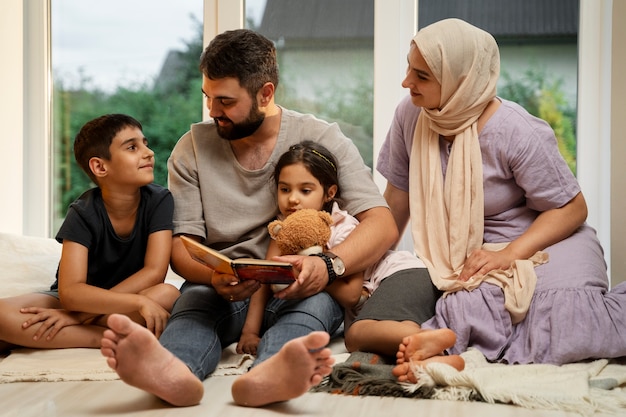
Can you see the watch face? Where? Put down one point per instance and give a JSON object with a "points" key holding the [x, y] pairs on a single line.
{"points": [[338, 266]]}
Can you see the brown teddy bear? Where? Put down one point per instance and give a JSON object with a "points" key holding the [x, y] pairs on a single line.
{"points": [[303, 232]]}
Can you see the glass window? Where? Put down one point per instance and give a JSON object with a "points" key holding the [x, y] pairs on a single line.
{"points": [[538, 44], [326, 58], [128, 56]]}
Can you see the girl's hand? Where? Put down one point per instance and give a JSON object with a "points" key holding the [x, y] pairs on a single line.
{"points": [[481, 261], [231, 289], [51, 320], [248, 343]]}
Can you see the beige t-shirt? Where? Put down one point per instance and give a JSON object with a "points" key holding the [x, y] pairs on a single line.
{"points": [[229, 206]]}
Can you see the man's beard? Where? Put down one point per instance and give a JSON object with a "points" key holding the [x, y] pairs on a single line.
{"points": [[234, 131]]}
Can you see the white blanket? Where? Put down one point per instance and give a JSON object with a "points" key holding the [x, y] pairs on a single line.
{"points": [[51, 365], [580, 387]]}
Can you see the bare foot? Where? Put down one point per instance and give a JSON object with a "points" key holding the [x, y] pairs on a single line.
{"points": [[140, 360], [422, 348], [299, 365], [404, 371]]}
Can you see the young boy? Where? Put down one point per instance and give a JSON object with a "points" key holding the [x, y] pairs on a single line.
{"points": [[116, 248]]}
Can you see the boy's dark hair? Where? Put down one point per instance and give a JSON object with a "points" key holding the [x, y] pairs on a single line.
{"points": [[318, 161], [95, 137], [243, 54]]}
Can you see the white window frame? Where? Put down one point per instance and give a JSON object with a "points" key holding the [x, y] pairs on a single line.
{"points": [[26, 85]]}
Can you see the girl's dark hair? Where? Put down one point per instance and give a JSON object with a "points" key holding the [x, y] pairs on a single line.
{"points": [[318, 161]]}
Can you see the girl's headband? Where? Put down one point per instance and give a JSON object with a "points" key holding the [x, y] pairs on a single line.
{"points": [[324, 158]]}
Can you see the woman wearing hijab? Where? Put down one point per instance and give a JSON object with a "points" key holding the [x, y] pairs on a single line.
{"points": [[496, 214]]}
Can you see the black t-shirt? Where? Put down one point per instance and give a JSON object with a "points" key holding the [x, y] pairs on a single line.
{"points": [[111, 258]]}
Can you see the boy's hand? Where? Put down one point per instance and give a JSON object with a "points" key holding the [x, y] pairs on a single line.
{"points": [[248, 343], [51, 321], [154, 315]]}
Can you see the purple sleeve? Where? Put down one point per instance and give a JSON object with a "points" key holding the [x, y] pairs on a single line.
{"points": [[393, 159], [537, 165]]}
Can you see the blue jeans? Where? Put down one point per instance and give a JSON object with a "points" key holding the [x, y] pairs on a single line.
{"points": [[202, 323]]}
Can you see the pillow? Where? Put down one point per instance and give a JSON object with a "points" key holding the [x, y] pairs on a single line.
{"points": [[29, 264]]}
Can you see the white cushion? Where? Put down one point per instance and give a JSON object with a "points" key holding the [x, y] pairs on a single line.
{"points": [[29, 264]]}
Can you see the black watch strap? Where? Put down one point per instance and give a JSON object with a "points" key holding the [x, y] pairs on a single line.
{"points": [[332, 276]]}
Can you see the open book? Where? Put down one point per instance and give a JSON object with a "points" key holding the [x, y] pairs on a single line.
{"points": [[262, 270]]}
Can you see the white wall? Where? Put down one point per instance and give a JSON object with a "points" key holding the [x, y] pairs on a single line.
{"points": [[24, 117], [617, 251], [11, 117], [594, 114]]}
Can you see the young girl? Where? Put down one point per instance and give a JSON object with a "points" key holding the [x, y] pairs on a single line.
{"points": [[306, 178], [116, 248]]}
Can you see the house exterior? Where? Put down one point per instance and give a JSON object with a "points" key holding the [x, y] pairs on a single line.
{"points": [[325, 43]]}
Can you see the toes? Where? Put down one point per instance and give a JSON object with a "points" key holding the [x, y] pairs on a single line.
{"points": [[316, 341], [120, 324]]}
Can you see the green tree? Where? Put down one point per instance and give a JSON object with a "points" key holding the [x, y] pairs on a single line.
{"points": [[544, 98], [166, 107], [350, 106]]}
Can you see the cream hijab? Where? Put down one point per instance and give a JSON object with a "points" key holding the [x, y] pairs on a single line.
{"points": [[447, 217]]}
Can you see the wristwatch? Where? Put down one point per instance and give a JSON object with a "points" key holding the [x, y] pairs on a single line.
{"points": [[338, 266], [334, 265]]}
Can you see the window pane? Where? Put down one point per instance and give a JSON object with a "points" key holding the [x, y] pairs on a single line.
{"points": [[538, 43], [137, 57], [326, 58]]}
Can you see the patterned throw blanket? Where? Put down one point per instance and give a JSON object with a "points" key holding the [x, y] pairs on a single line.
{"points": [[367, 374], [584, 388]]}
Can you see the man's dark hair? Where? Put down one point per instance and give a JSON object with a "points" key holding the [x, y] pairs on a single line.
{"points": [[242, 54], [95, 137]]}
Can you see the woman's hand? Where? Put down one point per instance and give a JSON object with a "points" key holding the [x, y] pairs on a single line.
{"points": [[481, 261], [51, 321], [231, 289], [548, 228]]}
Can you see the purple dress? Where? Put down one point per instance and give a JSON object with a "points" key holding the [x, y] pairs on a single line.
{"points": [[572, 315]]}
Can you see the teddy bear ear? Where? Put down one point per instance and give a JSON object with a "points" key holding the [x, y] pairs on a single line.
{"points": [[274, 228], [326, 217]]}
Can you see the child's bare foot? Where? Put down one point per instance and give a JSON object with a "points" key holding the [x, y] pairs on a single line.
{"points": [[425, 344], [299, 365], [140, 360], [425, 347], [404, 371]]}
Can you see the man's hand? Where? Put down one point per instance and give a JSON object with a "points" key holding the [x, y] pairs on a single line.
{"points": [[229, 287], [312, 278]]}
